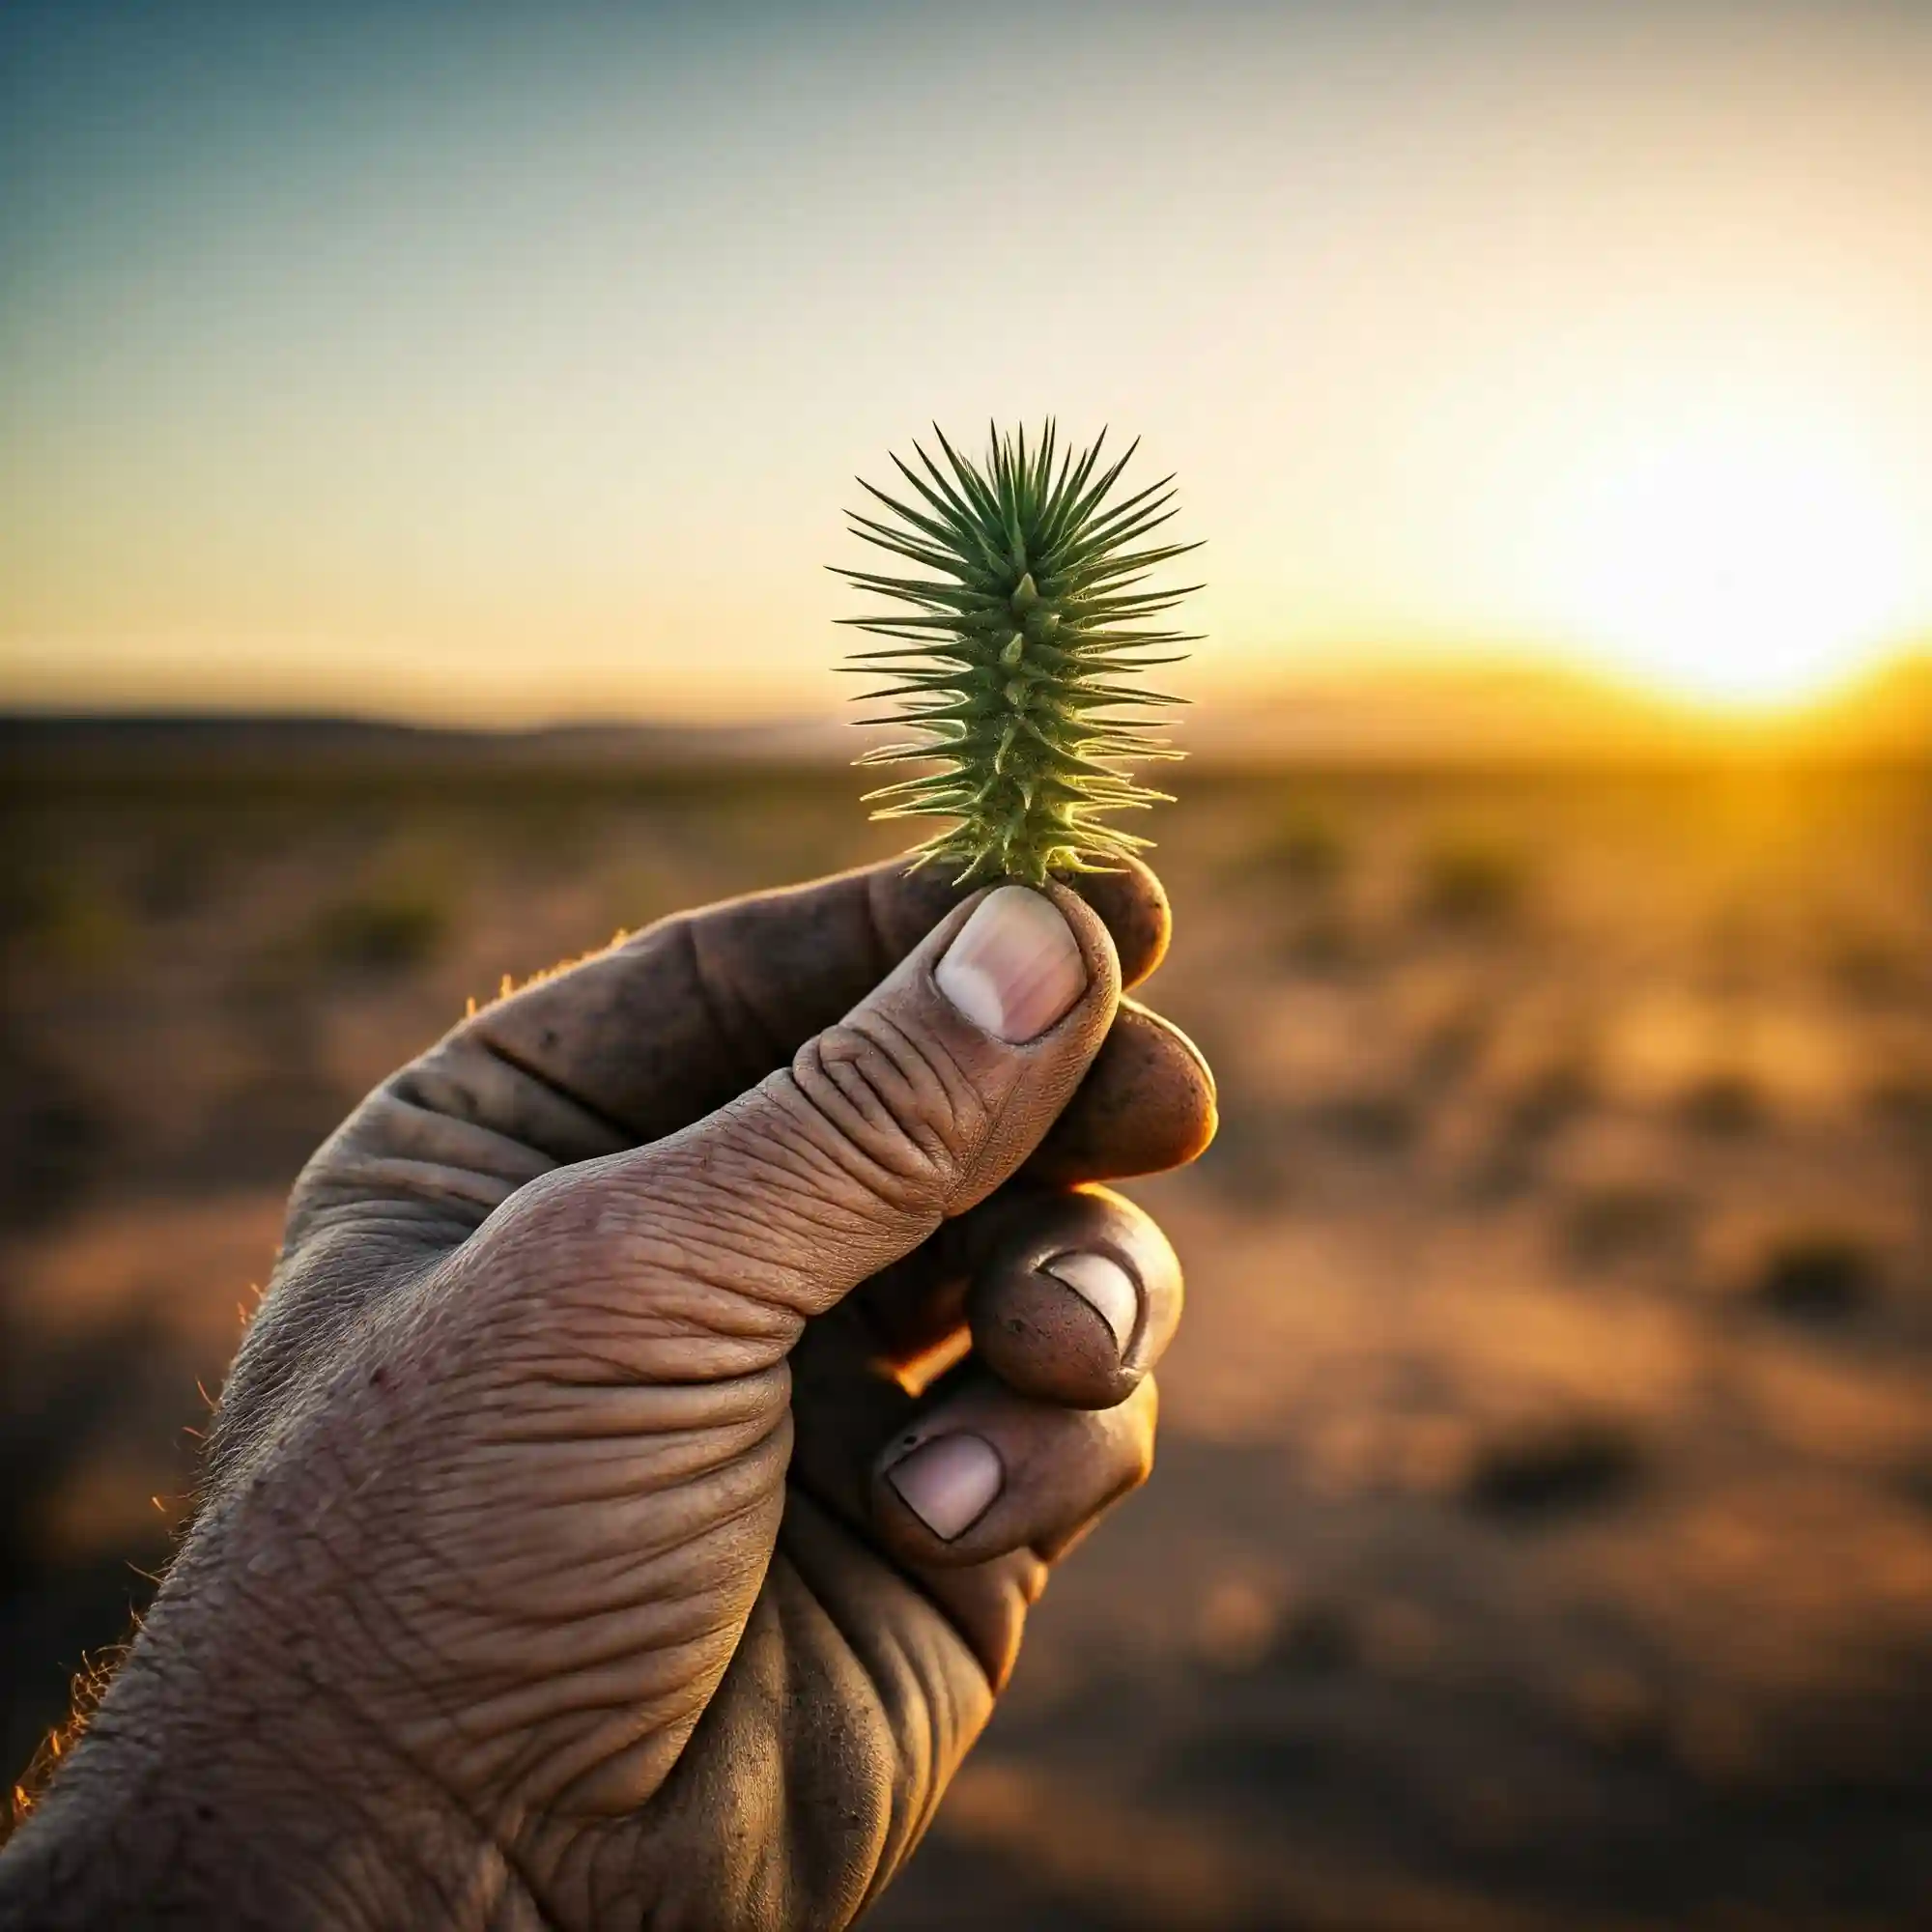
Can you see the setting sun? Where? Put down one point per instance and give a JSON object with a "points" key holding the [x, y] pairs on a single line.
{"points": [[1583, 345], [1741, 568]]}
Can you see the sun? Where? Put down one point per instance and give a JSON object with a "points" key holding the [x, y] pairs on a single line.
{"points": [[1737, 566]]}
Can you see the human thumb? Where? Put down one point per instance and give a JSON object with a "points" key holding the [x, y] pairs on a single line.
{"points": [[915, 1106]]}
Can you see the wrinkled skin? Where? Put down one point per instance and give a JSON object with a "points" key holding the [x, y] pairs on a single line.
{"points": [[546, 1571]]}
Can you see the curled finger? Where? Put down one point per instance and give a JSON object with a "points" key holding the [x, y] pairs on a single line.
{"points": [[1147, 1104], [1073, 1296], [979, 1471]]}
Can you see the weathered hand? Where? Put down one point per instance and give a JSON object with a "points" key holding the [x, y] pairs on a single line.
{"points": [[574, 1550]]}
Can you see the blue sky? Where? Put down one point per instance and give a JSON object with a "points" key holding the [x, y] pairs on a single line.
{"points": [[512, 362]]}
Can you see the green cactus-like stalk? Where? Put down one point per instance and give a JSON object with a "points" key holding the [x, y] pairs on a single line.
{"points": [[1010, 656]]}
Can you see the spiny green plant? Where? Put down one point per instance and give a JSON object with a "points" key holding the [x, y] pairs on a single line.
{"points": [[1009, 658]]}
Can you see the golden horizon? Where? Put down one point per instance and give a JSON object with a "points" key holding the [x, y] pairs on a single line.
{"points": [[1570, 683], [542, 395]]}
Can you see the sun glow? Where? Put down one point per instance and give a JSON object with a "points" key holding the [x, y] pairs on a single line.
{"points": [[1738, 567]]}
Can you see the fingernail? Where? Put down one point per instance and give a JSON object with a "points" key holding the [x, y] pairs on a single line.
{"points": [[1106, 1285], [949, 1483], [1013, 968]]}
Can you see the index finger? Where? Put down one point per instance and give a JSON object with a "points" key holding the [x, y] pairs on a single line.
{"points": [[672, 1024]]}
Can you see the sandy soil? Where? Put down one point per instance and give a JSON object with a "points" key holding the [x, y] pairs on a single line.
{"points": [[1542, 1534]]}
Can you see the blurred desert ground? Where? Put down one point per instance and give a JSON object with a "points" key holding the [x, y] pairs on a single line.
{"points": [[1543, 1531]]}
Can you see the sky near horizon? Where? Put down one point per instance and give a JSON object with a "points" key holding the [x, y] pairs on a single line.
{"points": [[510, 363]]}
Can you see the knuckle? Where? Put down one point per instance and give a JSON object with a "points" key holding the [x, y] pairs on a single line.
{"points": [[1143, 1410], [1140, 1464], [895, 1111]]}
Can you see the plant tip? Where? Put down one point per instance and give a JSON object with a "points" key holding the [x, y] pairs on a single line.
{"points": [[1009, 653]]}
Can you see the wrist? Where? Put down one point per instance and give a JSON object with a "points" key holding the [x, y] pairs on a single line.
{"points": [[207, 1790]]}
